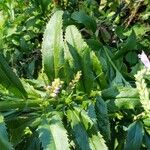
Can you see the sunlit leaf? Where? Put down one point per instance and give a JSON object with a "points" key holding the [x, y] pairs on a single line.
{"points": [[52, 47]]}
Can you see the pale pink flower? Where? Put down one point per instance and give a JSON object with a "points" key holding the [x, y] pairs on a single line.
{"points": [[144, 59]]}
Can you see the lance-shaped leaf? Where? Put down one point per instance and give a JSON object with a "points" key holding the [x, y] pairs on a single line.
{"points": [[52, 133], [102, 117], [97, 68], [134, 136], [75, 40], [96, 140], [69, 65], [92, 113], [79, 133], [9, 79], [4, 142], [52, 47]]}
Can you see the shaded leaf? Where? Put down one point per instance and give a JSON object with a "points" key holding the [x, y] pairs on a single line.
{"points": [[17, 126], [94, 44], [134, 136], [131, 57], [52, 133], [102, 117], [91, 113], [4, 141], [96, 140], [119, 31], [79, 133], [105, 34], [146, 140], [82, 17], [128, 46], [9, 80]]}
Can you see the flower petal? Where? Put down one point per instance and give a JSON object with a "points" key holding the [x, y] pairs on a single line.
{"points": [[144, 59]]}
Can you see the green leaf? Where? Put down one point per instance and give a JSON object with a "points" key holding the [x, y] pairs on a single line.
{"points": [[134, 136], [97, 68], [52, 133], [52, 47], [146, 121], [9, 79], [82, 17], [94, 44], [91, 113], [4, 142], [68, 72], [30, 143], [96, 140], [127, 103], [88, 76], [76, 58], [44, 4], [79, 133], [131, 42], [74, 39], [140, 29], [17, 126], [146, 140], [74, 64], [118, 80], [128, 46], [102, 117], [131, 57], [120, 92], [119, 31], [119, 97]]}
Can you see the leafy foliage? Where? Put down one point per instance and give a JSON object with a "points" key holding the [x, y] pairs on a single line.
{"points": [[90, 92]]}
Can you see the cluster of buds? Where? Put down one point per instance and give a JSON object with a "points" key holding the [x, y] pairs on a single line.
{"points": [[55, 88], [76, 79]]}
